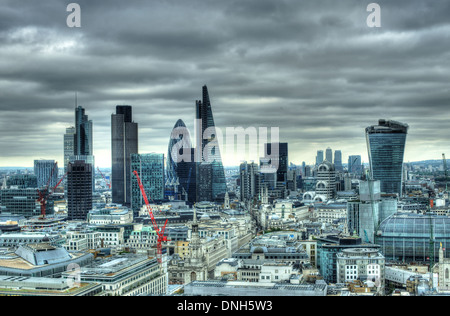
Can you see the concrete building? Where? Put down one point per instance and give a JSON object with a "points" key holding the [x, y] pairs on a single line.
{"points": [[127, 275], [364, 264]]}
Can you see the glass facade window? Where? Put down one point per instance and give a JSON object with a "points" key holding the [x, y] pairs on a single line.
{"points": [[386, 146]]}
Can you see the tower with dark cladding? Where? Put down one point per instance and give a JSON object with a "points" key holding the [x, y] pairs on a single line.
{"points": [[386, 147], [181, 169], [124, 142], [211, 179]]}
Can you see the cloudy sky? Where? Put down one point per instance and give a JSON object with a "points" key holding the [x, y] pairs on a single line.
{"points": [[313, 68]]}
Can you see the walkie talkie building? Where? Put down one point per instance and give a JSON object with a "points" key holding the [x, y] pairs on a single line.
{"points": [[386, 147]]}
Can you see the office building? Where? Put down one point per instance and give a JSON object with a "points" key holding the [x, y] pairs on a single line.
{"points": [[150, 168], [208, 152], [69, 145], [124, 143], [329, 154], [326, 180], [354, 164], [180, 166], [364, 264], [46, 172], [338, 160], [250, 181], [83, 133], [79, 190], [319, 157], [386, 147]]}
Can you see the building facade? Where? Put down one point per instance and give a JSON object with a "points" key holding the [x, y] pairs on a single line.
{"points": [[386, 147], [124, 143]]}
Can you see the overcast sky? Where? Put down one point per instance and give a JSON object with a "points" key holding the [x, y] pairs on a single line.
{"points": [[312, 68]]}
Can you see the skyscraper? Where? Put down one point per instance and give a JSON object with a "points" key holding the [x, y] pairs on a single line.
{"points": [[208, 152], [354, 164], [124, 143], [150, 168], [249, 180], [83, 133], [329, 154], [69, 145], [45, 170], [319, 157], [386, 147], [338, 160], [79, 190]]}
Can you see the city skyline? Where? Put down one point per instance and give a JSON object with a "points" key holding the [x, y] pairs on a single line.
{"points": [[315, 70]]}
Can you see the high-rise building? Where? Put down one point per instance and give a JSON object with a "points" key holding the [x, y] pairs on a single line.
{"points": [[208, 152], [180, 166], [282, 159], [326, 180], [150, 168], [329, 154], [354, 164], [69, 145], [249, 180], [83, 133], [319, 157], [386, 147], [79, 190], [124, 143], [45, 170], [338, 160]]}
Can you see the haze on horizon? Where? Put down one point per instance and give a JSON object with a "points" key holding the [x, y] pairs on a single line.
{"points": [[312, 68]]}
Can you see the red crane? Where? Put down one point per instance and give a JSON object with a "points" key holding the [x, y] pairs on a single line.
{"points": [[104, 178], [159, 232], [43, 195]]}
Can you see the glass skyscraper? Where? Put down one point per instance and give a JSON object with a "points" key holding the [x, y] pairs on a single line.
{"points": [[83, 133], [124, 142], [213, 185], [150, 168], [180, 166], [386, 147]]}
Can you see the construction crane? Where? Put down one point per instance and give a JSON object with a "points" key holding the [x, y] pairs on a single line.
{"points": [[159, 232], [104, 178], [44, 194]]}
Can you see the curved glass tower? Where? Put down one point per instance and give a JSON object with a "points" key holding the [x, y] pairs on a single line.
{"points": [[386, 147], [180, 164]]}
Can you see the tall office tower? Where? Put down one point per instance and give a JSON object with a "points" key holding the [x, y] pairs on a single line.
{"points": [[303, 168], [124, 143], [329, 154], [354, 164], [150, 168], [282, 159], [250, 181], [43, 169], [83, 133], [319, 157], [69, 145], [79, 190], [386, 147], [179, 150], [208, 153], [326, 180], [338, 160]]}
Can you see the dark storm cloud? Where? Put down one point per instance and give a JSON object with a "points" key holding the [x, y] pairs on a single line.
{"points": [[312, 68]]}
